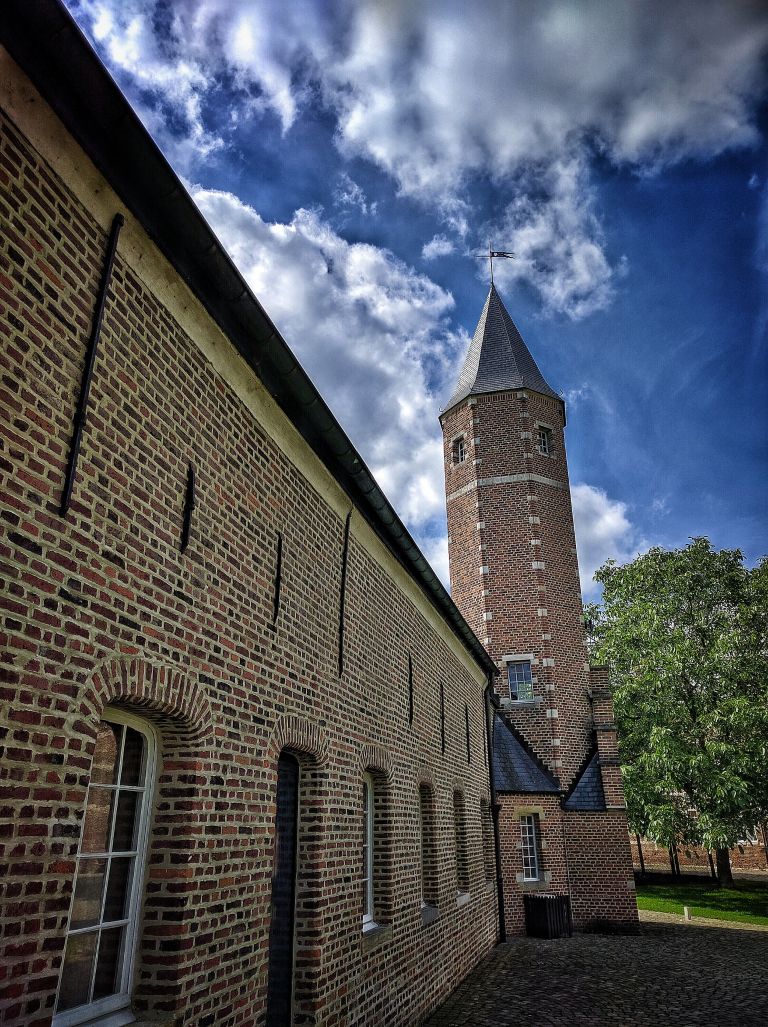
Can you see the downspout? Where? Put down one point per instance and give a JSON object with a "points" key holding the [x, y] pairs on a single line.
{"points": [[489, 697]]}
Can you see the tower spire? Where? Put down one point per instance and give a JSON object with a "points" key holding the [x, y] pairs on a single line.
{"points": [[497, 358]]}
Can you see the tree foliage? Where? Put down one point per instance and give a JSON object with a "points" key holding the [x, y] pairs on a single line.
{"points": [[685, 633]]}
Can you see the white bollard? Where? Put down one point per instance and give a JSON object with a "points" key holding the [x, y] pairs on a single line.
{"points": [[686, 913]]}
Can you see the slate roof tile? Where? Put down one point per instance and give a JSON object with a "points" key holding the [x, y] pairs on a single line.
{"points": [[497, 358], [587, 794], [515, 768]]}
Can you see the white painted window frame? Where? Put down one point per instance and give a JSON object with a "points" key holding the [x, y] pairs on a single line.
{"points": [[115, 1010], [459, 449], [544, 432], [369, 793], [508, 663], [529, 847]]}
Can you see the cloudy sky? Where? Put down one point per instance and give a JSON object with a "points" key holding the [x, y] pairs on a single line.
{"points": [[355, 156]]}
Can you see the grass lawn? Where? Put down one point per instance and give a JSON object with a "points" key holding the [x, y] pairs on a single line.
{"points": [[746, 901]]}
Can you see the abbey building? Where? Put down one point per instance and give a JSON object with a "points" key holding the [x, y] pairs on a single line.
{"points": [[258, 767]]}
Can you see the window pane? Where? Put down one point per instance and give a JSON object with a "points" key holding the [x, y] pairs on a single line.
{"points": [[133, 754], [86, 907], [106, 981], [76, 972], [104, 767], [97, 820], [117, 888], [125, 822]]}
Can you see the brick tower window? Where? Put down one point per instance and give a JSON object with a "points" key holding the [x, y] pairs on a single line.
{"points": [[545, 440], [98, 960], [520, 681], [459, 450], [529, 847]]}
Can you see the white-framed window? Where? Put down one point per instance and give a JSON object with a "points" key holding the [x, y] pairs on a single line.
{"points": [[529, 847], [520, 680], [459, 450], [368, 841], [96, 974], [544, 437]]}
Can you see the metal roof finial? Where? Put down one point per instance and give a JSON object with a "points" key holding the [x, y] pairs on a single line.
{"points": [[497, 253]]}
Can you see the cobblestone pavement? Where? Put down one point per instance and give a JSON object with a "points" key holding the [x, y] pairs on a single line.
{"points": [[670, 975]]}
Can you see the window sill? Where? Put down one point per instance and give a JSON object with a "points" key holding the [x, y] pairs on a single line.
{"points": [[538, 885], [114, 1011], [463, 898], [429, 914], [375, 935]]}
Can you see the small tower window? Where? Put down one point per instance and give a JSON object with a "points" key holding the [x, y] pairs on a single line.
{"points": [[520, 681], [545, 440], [459, 450]]}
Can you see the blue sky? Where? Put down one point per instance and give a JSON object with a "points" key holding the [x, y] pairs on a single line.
{"points": [[355, 157]]}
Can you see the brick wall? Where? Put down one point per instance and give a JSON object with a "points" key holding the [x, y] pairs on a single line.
{"points": [[750, 856], [514, 576], [600, 874], [554, 877], [100, 607], [514, 571]]}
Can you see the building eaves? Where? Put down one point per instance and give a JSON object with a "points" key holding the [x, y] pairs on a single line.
{"points": [[44, 40]]}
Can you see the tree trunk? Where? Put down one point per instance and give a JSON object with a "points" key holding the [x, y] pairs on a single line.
{"points": [[712, 870], [724, 875], [640, 854], [764, 828], [673, 861]]}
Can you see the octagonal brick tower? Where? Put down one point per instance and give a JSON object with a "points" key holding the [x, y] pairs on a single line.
{"points": [[512, 551]]}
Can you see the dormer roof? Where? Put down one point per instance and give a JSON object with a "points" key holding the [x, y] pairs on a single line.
{"points": [[497, 358]]}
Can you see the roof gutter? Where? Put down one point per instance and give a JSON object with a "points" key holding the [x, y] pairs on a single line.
{"points": [[45, 41]]}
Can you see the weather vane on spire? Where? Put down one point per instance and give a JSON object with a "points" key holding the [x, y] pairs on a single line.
{"points": [[496, 253]]}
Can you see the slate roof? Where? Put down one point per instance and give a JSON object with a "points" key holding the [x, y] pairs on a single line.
{"points": [[515, 767], [587, 794], [497, 358]]}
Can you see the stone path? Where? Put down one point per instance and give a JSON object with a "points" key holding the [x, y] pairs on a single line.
{"points": [[670, 975]]}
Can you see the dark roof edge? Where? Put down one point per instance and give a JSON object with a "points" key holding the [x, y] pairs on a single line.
{"points": [[495, 392], [45, 41]]}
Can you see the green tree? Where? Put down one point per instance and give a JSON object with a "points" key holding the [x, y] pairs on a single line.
{"points": [[686, 635]]}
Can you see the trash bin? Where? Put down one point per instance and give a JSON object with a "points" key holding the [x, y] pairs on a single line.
{"points": [[548, 916]]}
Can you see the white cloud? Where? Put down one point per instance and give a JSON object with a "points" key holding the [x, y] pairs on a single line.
{"points": [[603, 531], [348, 194], [438, 246], [435, 93], [557, 240], [371, 333]]}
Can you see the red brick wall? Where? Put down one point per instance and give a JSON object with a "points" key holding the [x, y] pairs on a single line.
{"points": [[498, 531], [600, 870], [554, 879], [100, 607], [747, 856], [508, 527]]}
